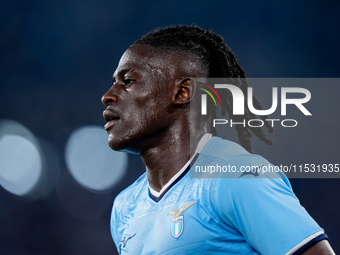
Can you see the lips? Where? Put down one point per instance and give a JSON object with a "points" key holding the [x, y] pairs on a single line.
{"points": [[111, 118]]}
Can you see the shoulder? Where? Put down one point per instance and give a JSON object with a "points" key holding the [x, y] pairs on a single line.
{"points": [[131, 194], [221, 158], [228, 151], [261, 204], [124, 206], [217, 146], [239, 172]]}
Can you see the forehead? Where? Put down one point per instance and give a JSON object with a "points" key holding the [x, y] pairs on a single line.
{"points": [[147, 58]]}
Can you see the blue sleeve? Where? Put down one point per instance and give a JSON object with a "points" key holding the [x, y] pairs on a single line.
{"points": [[118, 220], [267, 213], [113, 228]]}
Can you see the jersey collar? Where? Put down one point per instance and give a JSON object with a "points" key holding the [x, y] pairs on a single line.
{"points": [[157, 196]]}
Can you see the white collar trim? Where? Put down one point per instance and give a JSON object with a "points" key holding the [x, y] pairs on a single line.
{"points": [[205, 138]]}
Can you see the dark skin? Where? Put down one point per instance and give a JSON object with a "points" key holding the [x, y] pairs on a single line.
{"points": [[149, 119], [145, 114]]}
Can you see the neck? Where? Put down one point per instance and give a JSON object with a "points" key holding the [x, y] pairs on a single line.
{"points": [[170, 154]]}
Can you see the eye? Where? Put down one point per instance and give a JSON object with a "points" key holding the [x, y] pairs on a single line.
{"points": [[128, 81]]}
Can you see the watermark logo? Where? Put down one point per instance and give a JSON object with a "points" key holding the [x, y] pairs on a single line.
{"points": [[205, 87], [298, 115], [295, 96]]}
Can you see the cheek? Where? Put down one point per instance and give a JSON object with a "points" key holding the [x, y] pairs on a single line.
{"points": [[146, 113], [147, 106], [146, 116]]}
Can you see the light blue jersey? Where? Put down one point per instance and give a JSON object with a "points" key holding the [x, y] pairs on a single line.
{"points": [[243, 215]]}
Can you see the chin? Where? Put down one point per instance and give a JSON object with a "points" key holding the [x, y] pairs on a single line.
{"points": [[122, 144]]}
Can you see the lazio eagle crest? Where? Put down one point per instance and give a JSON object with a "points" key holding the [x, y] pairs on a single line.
{"points": [[177, 224]]}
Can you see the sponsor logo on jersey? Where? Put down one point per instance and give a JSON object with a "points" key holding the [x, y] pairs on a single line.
{"points": [[177, 224]]}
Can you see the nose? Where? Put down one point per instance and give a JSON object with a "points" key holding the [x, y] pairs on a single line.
{"points": [[109, 98]]}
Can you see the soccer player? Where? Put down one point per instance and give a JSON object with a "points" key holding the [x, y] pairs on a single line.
{"points": [[167, 212]]}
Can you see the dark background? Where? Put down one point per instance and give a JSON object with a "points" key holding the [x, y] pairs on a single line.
{"points": [[56, 61]]}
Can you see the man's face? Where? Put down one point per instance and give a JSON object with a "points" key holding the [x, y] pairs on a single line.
{"points": [[139, 104]]}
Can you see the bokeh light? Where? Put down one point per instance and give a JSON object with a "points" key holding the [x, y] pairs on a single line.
{"points": [[21, 161], [90, 160]]}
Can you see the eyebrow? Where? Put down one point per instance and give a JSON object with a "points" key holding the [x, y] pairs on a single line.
{"points": [[120, 73]]}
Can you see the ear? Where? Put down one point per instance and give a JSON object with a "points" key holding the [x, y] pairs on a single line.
{"points": [[184, 91]]}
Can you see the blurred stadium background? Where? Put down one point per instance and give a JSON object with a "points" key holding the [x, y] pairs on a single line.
{"points": [[58, 178]]}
